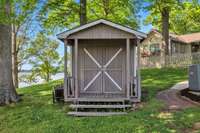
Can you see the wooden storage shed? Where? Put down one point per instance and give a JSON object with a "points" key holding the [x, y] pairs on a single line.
{"points": [[104, 66]]}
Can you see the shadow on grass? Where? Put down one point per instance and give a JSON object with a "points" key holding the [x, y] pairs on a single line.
{"points": [[36, 113], [154, 80]]}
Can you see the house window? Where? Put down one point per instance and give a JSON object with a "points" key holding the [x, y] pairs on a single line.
{"points": [[182, 48], [155, 49], [195, 48]]}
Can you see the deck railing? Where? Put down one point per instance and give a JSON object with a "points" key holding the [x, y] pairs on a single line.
{"points": [[133, 84], [70, 87], [70, 84]]}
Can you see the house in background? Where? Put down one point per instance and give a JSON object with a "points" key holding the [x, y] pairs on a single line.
{"points": [[178, 44], [188, 43]]}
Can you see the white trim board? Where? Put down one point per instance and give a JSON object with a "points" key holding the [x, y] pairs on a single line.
{"points": [[65, 34]]}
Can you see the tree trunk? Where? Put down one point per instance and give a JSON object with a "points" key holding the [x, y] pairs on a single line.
{"points": [[106, 7], [7, 90], [14, 57], [165, 31], [83, 12], [48, 77]]}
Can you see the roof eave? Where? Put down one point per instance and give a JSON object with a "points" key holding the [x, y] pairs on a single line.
{"points": [[65, 34]]}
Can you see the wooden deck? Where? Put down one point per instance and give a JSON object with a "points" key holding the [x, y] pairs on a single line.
{"points": [[104, 66], [99, 106]]}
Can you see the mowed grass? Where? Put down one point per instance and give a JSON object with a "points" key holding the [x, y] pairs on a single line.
{"points": [[37, 114]]}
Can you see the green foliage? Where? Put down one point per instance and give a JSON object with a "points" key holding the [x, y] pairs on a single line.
{"points": [[119, 11], [186, 19], [43, 57], [23, 11], [156, 7], [36, 113], [23, 43], [184, 15], [23, 16], [20, 11], [59, 14], [5, 13], [68, 65]]}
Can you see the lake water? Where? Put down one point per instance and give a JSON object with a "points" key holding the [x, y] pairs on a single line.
{"points": [[39, 81]]}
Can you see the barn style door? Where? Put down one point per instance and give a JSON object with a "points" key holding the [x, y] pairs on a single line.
{"points": [[102, 70]]}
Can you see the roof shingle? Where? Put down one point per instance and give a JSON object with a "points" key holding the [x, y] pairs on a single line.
{"points": [[189, 38]]}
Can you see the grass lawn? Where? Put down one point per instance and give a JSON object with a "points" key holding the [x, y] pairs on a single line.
{"points": [[37, 114]]}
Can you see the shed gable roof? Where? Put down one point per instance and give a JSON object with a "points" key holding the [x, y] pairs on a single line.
{"points": [[65, 34]]}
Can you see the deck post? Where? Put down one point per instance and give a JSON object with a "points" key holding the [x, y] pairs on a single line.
{"points": [[138, 70], [76, 67], [65, 69], [135, 69], [128, 67]]}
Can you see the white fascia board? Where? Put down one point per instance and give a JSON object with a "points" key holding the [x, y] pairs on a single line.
{"points": [[126, 29]]}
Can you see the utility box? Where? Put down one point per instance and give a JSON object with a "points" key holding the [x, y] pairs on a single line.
{"points": [[194, 77]]}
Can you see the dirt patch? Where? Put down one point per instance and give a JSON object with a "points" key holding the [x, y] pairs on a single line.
{"points": [[173, 100]]}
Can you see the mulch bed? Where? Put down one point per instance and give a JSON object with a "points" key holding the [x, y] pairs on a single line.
{"points": [[187, 93]]}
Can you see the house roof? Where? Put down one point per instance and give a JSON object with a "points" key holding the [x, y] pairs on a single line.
{"points": [[158, 32], [65, 34], [154, 31], [188, 38]]}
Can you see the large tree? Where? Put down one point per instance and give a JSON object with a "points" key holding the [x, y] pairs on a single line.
{"points": [[60, 14], [8, 93], [83, 12], [23, 12]]}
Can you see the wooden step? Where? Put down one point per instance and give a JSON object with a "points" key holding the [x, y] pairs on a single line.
{"points": [[96, 113], [99, 106], [101, 99]]}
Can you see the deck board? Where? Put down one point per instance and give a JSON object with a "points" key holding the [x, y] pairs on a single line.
{"points": [[96, 113], [101, 99], [99, 106]]}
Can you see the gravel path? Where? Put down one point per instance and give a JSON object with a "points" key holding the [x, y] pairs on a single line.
{"points": [[171, 98]]}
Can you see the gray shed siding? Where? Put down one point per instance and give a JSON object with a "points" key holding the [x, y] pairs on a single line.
{"points": [[101, 31]]}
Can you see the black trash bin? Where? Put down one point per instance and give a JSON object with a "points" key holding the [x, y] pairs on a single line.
{"points": [[58, 94]]}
